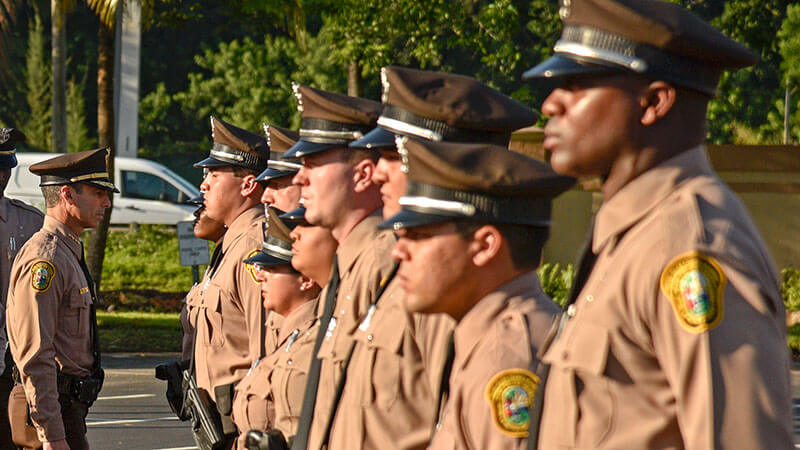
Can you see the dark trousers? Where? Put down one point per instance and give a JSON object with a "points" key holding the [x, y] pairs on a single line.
{"points": [[6, 384]]}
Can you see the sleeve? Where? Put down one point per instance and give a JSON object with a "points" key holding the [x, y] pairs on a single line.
{"points": [[249, 292], [723, 354], [32, 318]]}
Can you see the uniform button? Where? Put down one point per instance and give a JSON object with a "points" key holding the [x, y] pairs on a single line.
{"points": [[333, 354], [571, 310], [565, 355], [369, 337], [341, 312], [590, 298], [348, 297], [289, 362]]}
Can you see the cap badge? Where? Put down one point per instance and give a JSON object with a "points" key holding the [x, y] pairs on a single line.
{"points": [[298, 96], [212, 127], [694, 284], [266, 133], [400, 143], [385, 84], [564, 10], [5, 134], [42, 273], [510, 394]]}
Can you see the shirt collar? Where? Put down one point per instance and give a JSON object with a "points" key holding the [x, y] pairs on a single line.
{"points": [[645, 192], [241, 224], [361, 237], [299, 319], [70, 239], [474, 325]]}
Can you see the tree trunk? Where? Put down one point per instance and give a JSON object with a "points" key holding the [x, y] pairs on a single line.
{"points": [[354, 82], [59, 53], [105, 134]]}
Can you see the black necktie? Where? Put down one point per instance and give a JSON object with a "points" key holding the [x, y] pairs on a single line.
{"points": [[444, 384], [586, 262], [92, 312], [310, 396]]}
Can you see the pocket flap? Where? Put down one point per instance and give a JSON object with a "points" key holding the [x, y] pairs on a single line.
{"points": [[80, 298], [585, 349]]}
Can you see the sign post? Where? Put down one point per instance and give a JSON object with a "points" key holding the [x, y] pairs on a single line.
{"points": [[193, 250]]}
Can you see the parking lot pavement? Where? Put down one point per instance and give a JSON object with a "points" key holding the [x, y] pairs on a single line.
{"points": [[131, 412]]}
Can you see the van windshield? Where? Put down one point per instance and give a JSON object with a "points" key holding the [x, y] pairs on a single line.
{"points": [[148, 187]]}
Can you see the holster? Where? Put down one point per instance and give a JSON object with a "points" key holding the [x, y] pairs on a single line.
{"points": [[224, 397], [81, 389], [172, 373], [271, 440], [205, 420]]}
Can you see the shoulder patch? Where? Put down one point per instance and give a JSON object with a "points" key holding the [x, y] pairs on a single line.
{"points": [[510, 394], [694, 283], [42, 273], [250, 268]]}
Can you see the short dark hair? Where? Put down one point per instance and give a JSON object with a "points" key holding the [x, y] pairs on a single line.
{"points": [[240, 171], [52, 193], [525, 242], [356, 155]]}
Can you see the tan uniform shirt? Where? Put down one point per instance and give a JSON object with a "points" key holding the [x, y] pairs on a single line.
{"points": [[362, 265], [255, 405], [391, 393], [230, 320], [495, 369], [677, 339], [48, 320], [188, 317], [18, 222]]}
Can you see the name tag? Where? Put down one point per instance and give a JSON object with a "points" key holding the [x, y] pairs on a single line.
{"points": [[84, 290]]}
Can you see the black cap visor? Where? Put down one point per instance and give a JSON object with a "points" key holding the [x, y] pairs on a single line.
{"points": [[378, 139], [408, 218], [273, 174], [563, 65], [304, 148], [211, 162], [8, 161], [266, 259], [294, 217]]}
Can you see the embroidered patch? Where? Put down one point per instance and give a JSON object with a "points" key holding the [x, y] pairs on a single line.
{"points": [[510, 394], [251, 269], [42, 273], [84, 290], [694, 283]]}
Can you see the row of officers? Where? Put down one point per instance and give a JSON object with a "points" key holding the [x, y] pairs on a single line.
{"points": [[373, 282]]}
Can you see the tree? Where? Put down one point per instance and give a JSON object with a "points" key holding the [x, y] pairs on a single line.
{"points": [[37, 81]]}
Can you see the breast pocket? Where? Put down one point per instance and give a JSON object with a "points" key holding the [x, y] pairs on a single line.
{"points": [[74, 316], [210, 311], [584, 354], [289, 377], [378, 358]]}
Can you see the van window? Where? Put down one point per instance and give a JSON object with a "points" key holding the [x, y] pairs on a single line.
{"points": [[147, 186]]}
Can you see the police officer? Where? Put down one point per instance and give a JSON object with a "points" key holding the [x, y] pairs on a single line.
{"points": [[52, 326], [210, 230], [18, 222], [396, 353], [338, 194], [230, 317], [280, 193], [284, 291], [676, 338], [471, 230]]}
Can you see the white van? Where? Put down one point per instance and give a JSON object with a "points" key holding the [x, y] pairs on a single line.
{"points": [[149, 192]]}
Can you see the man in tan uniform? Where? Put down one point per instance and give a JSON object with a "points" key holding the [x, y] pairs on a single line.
{"points": [[52, 326], [677, 338], [230, 320], [338, 194], [473, 223], [390, 398], [18, 222]]}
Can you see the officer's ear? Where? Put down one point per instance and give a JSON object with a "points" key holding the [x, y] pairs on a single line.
{"points": [[657, 99], [363, 171], [485, 245], [250, 186], [67, 193]]}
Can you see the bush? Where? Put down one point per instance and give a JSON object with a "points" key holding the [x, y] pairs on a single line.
{"points": [[555, 281], [790, 288]]}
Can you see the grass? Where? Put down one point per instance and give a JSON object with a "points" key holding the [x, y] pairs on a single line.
{"points": [[135, 331]]}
